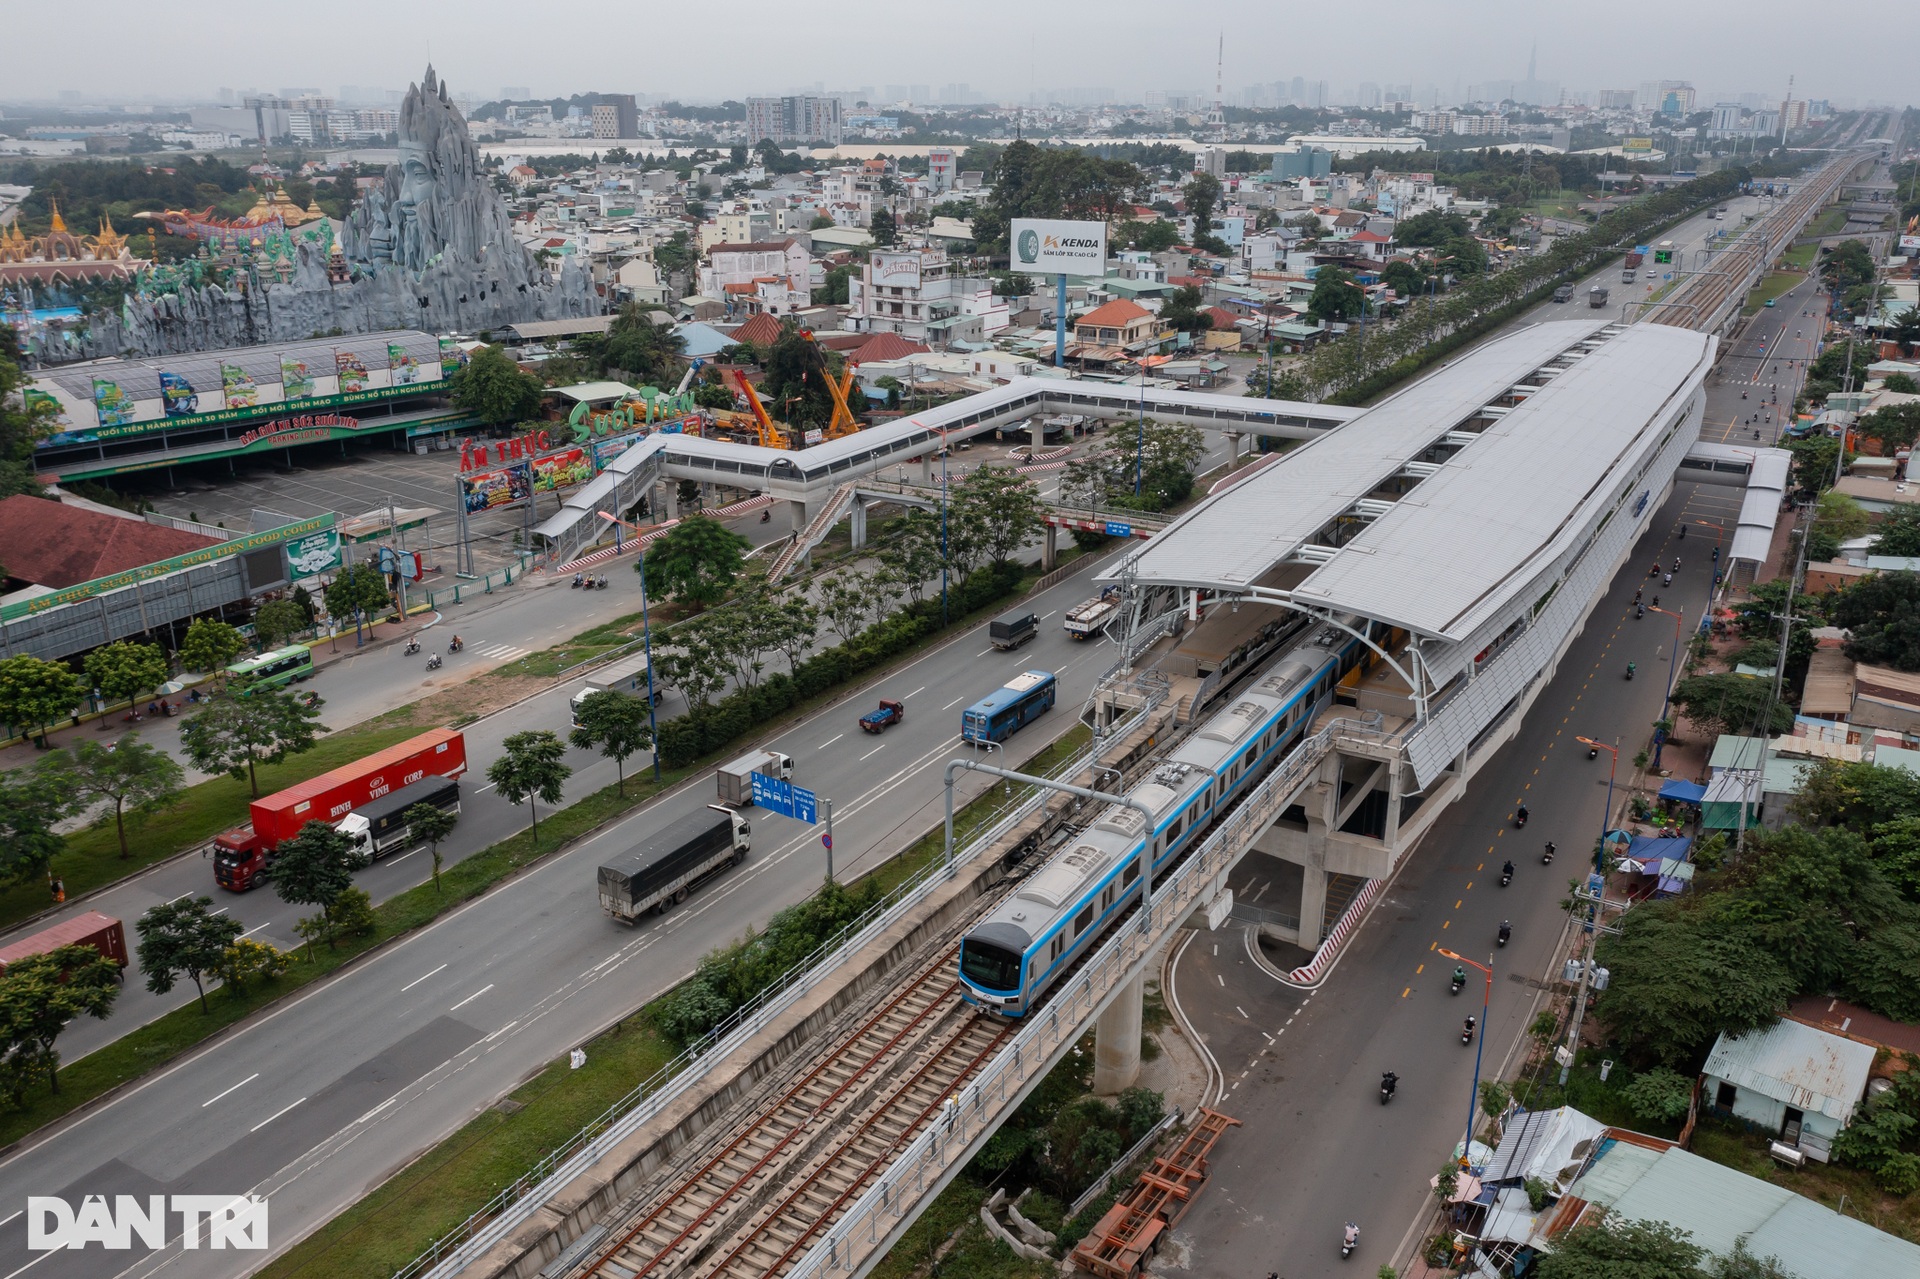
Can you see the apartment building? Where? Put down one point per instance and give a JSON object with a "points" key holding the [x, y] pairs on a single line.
{"points": [[798, 118], [912, 292], [616, 115]]}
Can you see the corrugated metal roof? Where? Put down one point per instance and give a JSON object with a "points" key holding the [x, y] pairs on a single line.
{"points": [[1234, 538], [1806, 1068], [140, 377]]}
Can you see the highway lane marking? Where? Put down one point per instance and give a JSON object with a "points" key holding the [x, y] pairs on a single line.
{"points": [[1222, 980], [1421, 969], [1406, 992], [1456, 905], [1269, 1038], [830, 741], [275, 1115], [251, 931], [484, 789], [417, 980], [16, 1213], [503, 1030], [955, 702], [875, 751], [470, 998], [242, 1084], [983, 652], [1045, 616], [921, 689], [223, 910], [1243, 1012], [608, 960]]}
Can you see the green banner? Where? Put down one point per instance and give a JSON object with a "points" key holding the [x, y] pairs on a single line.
{"points": [[257, 412], [147, 572]]}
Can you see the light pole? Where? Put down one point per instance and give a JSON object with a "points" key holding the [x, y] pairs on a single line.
{"points": [[944, 450], [646, 641], [1613, 767], [1660, 737], [1479, 1047]]}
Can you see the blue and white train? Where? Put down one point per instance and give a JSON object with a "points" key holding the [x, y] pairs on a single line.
{"points": [[1034, 936]]}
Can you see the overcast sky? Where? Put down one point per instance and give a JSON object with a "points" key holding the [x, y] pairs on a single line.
{"points": [[1004, 49]]}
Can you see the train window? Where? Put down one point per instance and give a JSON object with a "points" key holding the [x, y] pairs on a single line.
{"points": [[1083, 921], [1130, 874]]}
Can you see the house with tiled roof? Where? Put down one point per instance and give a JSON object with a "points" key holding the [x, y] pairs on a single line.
{"points": [[777, 273], [1119, 323], [762, 330], [53, 544]]}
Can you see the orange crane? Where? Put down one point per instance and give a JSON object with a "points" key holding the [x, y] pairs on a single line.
{"points": [[771, 436], [844, 422]]}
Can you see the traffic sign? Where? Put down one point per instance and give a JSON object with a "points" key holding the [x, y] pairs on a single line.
{"points": [[826, 841], [1119, 530], [783, 797]]}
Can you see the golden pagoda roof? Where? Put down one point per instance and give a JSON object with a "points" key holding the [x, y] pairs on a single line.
{"points": [[59, 223]]}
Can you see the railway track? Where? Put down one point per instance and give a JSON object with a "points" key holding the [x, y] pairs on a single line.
{"points": [[749, 1203]]}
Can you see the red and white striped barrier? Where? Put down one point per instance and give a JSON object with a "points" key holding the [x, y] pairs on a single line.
{"points": [[1047, 456], [1350, 920], [636, 542]]}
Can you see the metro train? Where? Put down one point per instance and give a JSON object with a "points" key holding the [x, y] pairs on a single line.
{"points": [[1034, 936]]}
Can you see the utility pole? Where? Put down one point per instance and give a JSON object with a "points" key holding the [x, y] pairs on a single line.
{"points": [[1592, 893]]}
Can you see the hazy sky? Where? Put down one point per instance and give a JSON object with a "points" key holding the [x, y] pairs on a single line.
{"points": [[1003, 48]]}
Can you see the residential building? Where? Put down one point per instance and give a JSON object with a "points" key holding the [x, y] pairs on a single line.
{"points": [[1794, 113], [772, 276], [1614, 100], [911, 292], [942, 168], [1211, 160], [1294, 163], [616, 115], [1726, 119], [1118, 324], [1666, 97], [1476, 126], [801, 118], [1796, 1083], [742, 223]]}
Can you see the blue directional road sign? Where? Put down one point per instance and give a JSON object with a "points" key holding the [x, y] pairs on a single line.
{"points": [[777, 796], [1119, 530]]}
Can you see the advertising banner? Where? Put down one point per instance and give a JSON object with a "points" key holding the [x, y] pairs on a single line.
{"points": [[111, 403], [896, 270], [296, 379], [316, 553], [237, 385], [449, 357], [402, 365], [561, 470], [493, 490], [1910, 243], [1048, 246], [48, 408], [177, 395], [352, 370]]}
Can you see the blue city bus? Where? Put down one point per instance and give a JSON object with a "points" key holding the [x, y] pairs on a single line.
{"points": [[273, 669], [1006, 710]]}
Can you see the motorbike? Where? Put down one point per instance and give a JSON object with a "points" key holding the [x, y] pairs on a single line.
{"points": [[1388, 1082], [413, 646], [1506, 874], [1546, 858], [1520, 817], [1506, 932], [602, 583], [579, 580], [766, 517], [455, 646], [1593, 752], [1683, 532], [1349, 1241], [1639, 611], [1629, 670], [1459, 982], [1466, 1034], [433, 663]]}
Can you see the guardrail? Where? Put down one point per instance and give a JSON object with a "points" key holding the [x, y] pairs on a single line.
{"points": [[520, 1198]]}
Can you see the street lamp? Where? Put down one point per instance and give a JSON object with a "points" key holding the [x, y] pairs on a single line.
{"points": [[1612, 767], [1486, 1008], [1660, 737]]}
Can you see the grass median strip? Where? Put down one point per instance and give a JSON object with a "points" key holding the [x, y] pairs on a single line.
{"points": [[434, 1194]]}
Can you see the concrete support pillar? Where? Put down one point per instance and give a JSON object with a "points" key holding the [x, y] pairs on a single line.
{"points": [[670, 506], [926, 470], [798, 511], [706, 494], [1313, 895], [1116, 1040], [1050, 548], [1233, 447], [857, 522], [1036, 433]]}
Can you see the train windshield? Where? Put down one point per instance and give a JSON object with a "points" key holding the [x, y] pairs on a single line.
{"points": [[989, 967]]}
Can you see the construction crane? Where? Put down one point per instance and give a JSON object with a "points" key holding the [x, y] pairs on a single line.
{"points": [[844, 423], [771, 436]]}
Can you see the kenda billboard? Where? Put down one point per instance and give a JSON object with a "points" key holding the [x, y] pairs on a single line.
{"points": [[1048, 246]]}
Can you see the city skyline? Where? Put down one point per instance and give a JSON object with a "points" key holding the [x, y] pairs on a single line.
{"points": [[1000, 50]]}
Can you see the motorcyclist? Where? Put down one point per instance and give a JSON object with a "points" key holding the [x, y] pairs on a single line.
{"points": [[1459, 975], [1506, 929], [1389, 1080], [1551, 849], [455, 646], [1683, 532], [1631, 667], [1469, 1027], [1521, 812], [1351, 1235], [1508, 868]]}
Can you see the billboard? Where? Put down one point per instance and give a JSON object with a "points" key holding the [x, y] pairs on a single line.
{"points": [[492, 490], [352, 370], [238, 386], [177, 396], [111, 403], [296, 379], [403, 368], [1048, 246], [897, 270], [560, 470], [1637, 144], [1910, 244]]}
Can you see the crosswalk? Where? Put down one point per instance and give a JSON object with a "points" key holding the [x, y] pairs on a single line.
{"points": [[502, 652]]}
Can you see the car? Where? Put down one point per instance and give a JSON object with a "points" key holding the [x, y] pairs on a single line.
{"points": [[1769, 301], [889, 714]]}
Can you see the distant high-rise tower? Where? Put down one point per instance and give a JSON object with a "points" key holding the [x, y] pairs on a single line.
{"points": [[1217, 118]]}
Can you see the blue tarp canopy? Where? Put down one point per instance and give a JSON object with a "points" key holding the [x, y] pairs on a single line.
{"points": [[1684, 791]]}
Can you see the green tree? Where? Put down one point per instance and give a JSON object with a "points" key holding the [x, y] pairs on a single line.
{"points": [[1898, 533], [1335, 296], [492, 388], [834, 291], [1896, 426], [32, 803], [530, 768], [433, 825], [257, 725], [1847, 264], [1882, 612], [34, 693], [41, 994], [276, 621], [1840, 517], [644, 351], [1683, 972], [795, 387], [1610, 1249], [616, 725], [991, 513], [883, 228], [24, 423], [821, 222], [129, 775], [210, 646], [1182, 311], [184, 938], [122, 671], [1860, 796], [912, 552], [356, 591], [1726, 703], [1659, 1095], [697, 560], [1900, 382], [314, 868], [1202, 198], [1404, 279]]}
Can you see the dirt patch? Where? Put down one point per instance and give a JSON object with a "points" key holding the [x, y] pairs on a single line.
{"points": [[466, 700]]}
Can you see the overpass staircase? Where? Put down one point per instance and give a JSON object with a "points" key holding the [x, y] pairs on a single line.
{"points": [[831, 513]]}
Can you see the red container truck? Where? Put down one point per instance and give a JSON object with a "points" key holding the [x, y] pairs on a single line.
{"points": [[89, 928], [240, 854]]}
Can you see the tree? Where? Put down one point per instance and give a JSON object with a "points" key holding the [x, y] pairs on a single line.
{"points": [[234, 735], [696, 560], [128, 774], [1335, 296], [40, 994], [885, 230], [356, 590], [32, 803], [1659, 1095], [834, 292], [1202, 197], [34, 693], [1896, 426], [647, 352], [1898, 533], [1404, 279], [1683, 972], [614, 724], [1882, 612], [1182, 311], [24, 422], [1840, 517], [314, 868], [912, 552], [183, 938], [122, 671], [821, 222], [1727, 703], [210, 646], [693, 668], [1166, 453], [492, 388], [1863, 797], [795, 387], [1900, 382], [992, 512], [1847, 264], [433, 825], [278, 620], [847, 602], [1609, 1249], [529, 769]]}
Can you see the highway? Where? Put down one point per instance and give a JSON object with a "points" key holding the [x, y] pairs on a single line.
{"points": [[316, 1102], [1303, 1070]]}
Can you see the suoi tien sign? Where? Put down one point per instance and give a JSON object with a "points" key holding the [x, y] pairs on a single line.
{"points": [[226, 1221]]}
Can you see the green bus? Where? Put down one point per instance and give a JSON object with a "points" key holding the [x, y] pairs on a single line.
{"points": [[275, 668]]}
